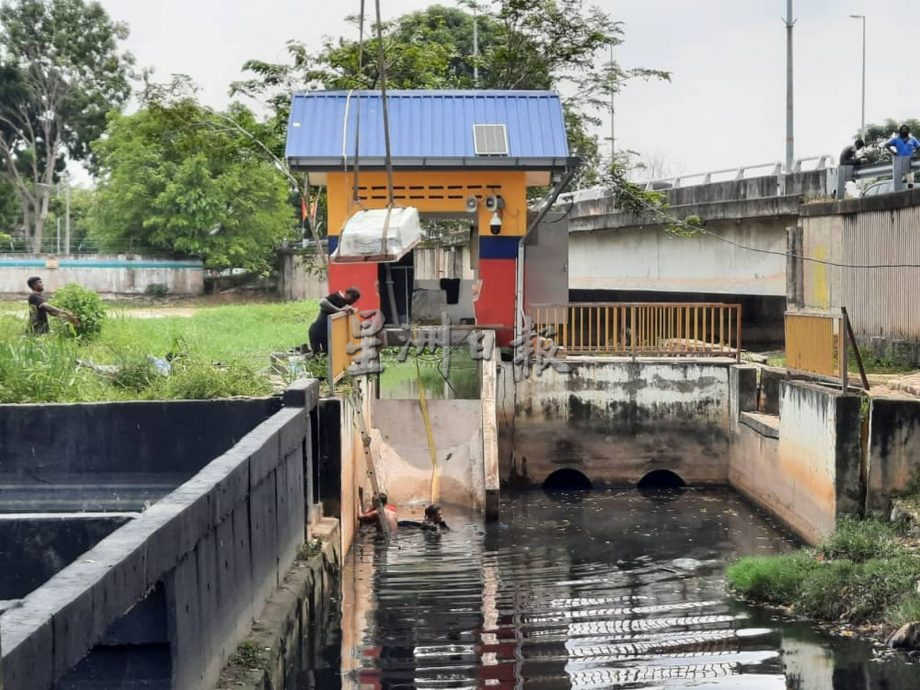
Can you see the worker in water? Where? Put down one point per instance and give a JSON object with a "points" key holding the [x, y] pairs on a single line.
{"points": [[389, 512], [331, 304], [433, 522], [39, 308]]}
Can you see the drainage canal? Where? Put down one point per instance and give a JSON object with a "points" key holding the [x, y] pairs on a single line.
{"points": [[660, 479], [583, 590], [567, 479]]}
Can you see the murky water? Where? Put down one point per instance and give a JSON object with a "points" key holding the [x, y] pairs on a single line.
{"points": [[598, 590]]}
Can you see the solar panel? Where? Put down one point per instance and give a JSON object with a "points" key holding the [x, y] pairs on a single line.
{"points": [[490, 140]]}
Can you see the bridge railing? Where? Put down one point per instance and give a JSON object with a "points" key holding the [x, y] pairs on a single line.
{"points": [[650, 329], [816, 344]]}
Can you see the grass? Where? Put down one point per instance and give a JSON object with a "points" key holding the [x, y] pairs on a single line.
{"points": [[872, 363], [217, 352], [863, 573]]}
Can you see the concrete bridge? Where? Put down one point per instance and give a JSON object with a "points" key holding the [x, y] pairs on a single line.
{"points": [[616, 256]]}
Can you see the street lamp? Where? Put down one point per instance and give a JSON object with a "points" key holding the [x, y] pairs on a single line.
{"points": [[862, 126]]}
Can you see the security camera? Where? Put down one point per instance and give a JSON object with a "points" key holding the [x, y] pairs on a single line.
{"points": [[495, 224], [494, 203], [472, 204]]}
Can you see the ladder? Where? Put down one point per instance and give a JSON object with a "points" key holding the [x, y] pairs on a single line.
{"points": [[369, 461]]}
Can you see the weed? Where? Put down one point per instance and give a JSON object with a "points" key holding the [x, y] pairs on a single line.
{"points": [[861, 540], [906, 611], [772, 579], [249, 655], [86, 305]]}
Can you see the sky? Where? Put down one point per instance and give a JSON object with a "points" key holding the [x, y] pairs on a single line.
{"points": [[723, 108]]}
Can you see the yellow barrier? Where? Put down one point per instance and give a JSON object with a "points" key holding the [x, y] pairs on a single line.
{"points": [[816, 344], [643, 328], [342, 328]]}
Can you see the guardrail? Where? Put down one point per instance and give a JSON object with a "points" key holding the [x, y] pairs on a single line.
{"points": [[816, 345], [896, 170], [642, 328]]}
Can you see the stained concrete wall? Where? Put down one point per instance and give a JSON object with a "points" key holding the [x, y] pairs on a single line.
{"points": [[217, 546], [405, 462], [615, 420], [50, 441], [109, 275], [649, 259], [803, 467], [894, 449]]}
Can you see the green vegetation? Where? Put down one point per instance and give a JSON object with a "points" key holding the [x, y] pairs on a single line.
{"points": [[86, 305], [863, 573], [217, 352], [873, 363], [249, 655]]}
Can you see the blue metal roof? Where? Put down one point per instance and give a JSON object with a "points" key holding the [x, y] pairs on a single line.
{"points": [[427, 129]]}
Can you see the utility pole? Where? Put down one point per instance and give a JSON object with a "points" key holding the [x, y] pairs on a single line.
{"points": [[862, 121], [613, 149], [790, 137]]}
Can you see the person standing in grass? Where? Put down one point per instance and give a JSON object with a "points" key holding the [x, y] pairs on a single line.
{"points": [[39, 308], [331, 304]]}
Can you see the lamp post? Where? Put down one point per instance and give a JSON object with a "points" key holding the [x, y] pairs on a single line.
{"points": [[862, 122], [790, 137]]}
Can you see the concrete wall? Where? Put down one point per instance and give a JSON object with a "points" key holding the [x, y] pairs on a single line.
{"points": [[109, 275], [894, 449], [51, 441], [216, 547], [405, 462], [648, 258], [803, 467], [873, 231], [299, 277], [615, 420]]}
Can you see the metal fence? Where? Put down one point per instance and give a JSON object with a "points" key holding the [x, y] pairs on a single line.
{"points": [[816, 343], [642, 328]]}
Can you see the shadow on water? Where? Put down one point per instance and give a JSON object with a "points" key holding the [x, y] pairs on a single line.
{"points": [[608, 589]]}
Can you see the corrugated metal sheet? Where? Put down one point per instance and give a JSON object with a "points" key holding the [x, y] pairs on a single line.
{"points": [[885, 301], [431, 124]]}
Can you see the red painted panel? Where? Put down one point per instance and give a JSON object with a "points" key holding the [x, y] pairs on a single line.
{"points": [[362, 276], [495, 305]]}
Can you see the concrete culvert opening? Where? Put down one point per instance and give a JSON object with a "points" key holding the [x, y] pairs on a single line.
{"points": [[661, 479], [567, 480]]}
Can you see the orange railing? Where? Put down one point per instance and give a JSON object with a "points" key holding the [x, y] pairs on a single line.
{"points": [[816, 343], [642, 328]]}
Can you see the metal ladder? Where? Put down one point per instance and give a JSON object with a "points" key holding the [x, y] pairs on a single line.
{"points": [[370, 463]]}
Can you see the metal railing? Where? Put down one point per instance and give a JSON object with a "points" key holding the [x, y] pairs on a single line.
{"points": [[896, 170], [642, 328], [816, 343]]}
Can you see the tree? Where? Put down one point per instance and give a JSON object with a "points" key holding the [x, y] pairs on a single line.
{"points": [[878, 134], [550, 44], [61, 71], [178, 178]]}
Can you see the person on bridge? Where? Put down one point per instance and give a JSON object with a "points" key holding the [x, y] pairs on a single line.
{"points": [[39, 308], [904, 144], [331, 304], [849, 155], [389, 511]]}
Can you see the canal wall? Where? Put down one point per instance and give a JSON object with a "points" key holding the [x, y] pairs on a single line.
{"points": [[803, 465], [893, 450], [166, 598], [615, 420]]}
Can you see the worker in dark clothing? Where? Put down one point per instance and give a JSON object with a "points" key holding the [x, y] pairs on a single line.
{"points": [[331, 304], [433, 522], [39, 308], [848, 155]]}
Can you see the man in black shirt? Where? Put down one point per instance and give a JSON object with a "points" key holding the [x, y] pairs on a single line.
{"points": [[331, 304], [39, 308]]}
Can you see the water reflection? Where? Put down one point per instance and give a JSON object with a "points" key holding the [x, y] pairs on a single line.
{"points": [[606, 589], [399, 380]]}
